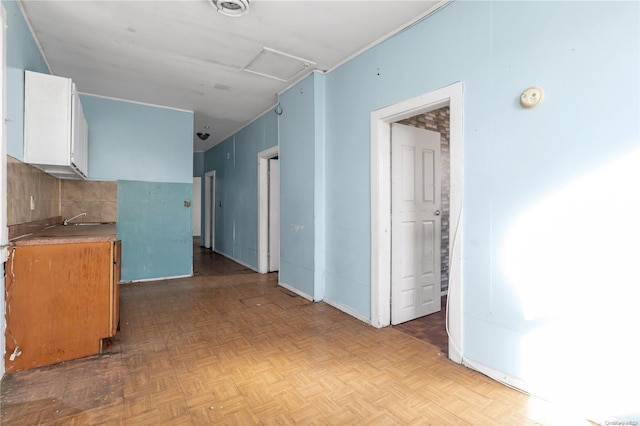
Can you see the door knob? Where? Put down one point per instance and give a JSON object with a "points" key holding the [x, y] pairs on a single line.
{"points": [[437, 213]]}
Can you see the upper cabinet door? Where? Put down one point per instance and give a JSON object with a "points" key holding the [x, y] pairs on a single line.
{"points": [[55, 130], [79, 136]]}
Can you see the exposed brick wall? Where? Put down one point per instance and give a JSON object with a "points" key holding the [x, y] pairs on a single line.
{"points": [[438, 121]]}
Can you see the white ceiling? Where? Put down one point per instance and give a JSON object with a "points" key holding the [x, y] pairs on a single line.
{"points": [[186, 55]]}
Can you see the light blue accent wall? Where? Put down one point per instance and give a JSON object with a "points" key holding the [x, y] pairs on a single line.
{"points": [[586, 56], [149, 151], [155, 229], [22, 54], [235, 162], [297, 151], [138, 142]]}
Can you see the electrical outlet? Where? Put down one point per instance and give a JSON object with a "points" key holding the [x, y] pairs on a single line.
{"points": [[33, 203]]}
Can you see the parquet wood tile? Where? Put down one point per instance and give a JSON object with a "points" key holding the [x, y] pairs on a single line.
{"points": [[229, 346]]}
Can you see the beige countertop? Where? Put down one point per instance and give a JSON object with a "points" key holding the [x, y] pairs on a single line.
{"points": [[70, 234]]}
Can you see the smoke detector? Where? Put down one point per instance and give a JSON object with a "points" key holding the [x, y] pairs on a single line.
{"points": [[233, 8]]}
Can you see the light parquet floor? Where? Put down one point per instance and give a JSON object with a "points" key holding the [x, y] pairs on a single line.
{"points": [[229, 346]]}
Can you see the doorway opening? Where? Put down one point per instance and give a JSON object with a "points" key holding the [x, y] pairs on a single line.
{"points": [[416, 210], [428, 320], [381, 120], [268, 211], [209, 210]]}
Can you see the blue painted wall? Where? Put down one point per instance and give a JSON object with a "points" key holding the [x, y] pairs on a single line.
{"points": [[22, 54], [299, 133], [297, 139], [235, 161], [155, 229], [198, 164], [550, 195], [138, 145], [132, 141]]}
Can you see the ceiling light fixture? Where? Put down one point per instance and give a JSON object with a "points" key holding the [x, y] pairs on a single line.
{"points": [[233, 8], [203, 136]]}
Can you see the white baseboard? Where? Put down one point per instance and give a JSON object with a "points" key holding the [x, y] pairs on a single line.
{"points": [[499, 376], [144, 280], [454, 353], [296, 291], [347, 310], [526, 388]]}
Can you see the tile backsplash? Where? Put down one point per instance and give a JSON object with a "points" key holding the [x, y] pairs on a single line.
{"points": [[25, 181], [98, 199], [56, 197]]}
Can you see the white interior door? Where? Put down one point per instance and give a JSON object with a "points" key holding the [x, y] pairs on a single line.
{"points": [[274, 214], [212, 209], [209, 209], [196, 205], [415, 223]]}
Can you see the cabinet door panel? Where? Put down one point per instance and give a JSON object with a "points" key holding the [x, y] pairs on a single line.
{"points": [[47, 119], [58, 302]]}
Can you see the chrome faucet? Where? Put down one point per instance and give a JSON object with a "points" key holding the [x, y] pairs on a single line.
{"points": [[66, 221]]}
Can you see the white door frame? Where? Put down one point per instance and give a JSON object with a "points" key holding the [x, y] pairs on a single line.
{"points": [[274, 215], [381, 207], [263, 208], [3, 145], [209, 209]]}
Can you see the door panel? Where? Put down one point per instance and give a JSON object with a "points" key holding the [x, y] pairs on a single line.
{"points": [[408, 174], [415, 227], [428, 178], [428, 259]]}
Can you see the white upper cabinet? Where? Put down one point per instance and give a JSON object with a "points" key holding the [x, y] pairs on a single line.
{"points": [[55, 130]]}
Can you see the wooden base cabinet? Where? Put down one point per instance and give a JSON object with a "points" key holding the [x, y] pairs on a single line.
{"points": [[61, 301]]}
